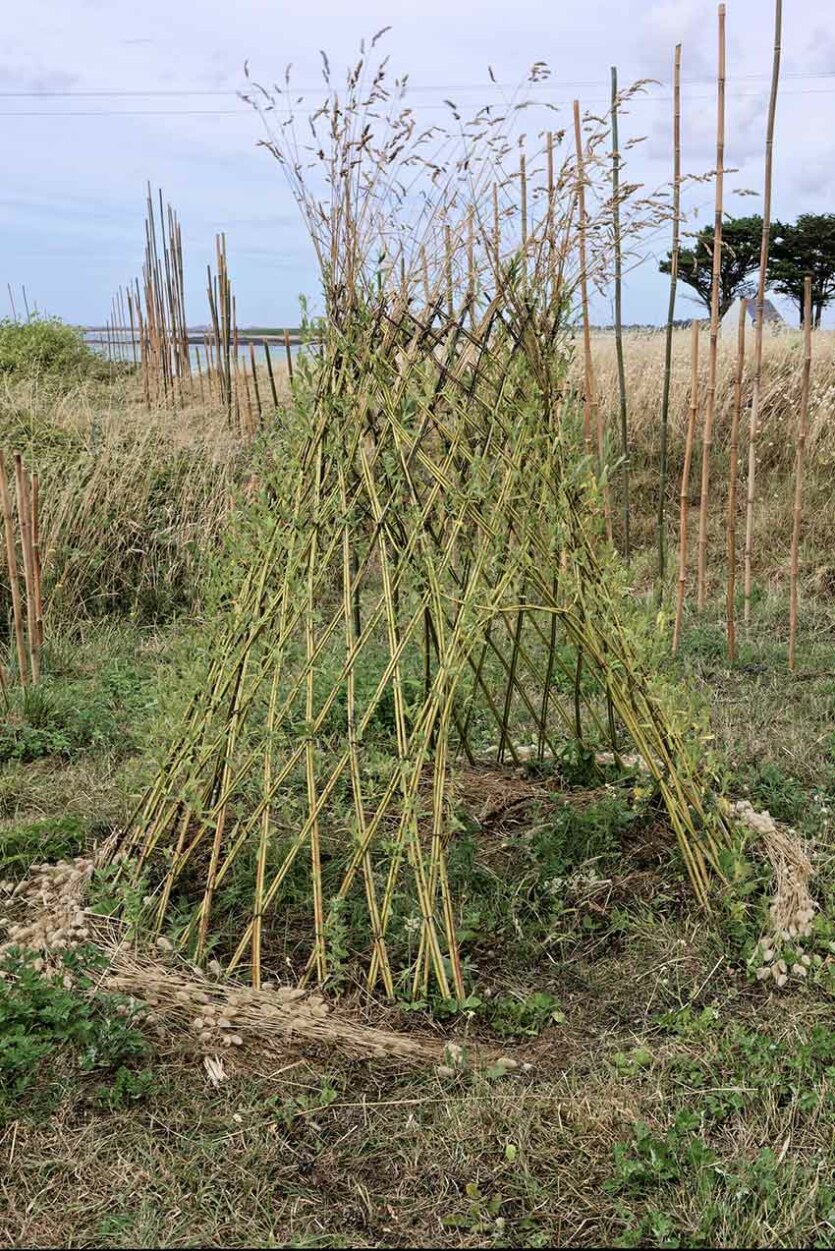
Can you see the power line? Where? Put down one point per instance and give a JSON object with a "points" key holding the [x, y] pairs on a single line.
{"points": [[244, 111], [152, 92]]}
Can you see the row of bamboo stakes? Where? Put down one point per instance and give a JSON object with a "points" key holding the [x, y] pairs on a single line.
{"points": [[591, 408], [148, 328], [21, 526], [158, 325], [739, 375]]}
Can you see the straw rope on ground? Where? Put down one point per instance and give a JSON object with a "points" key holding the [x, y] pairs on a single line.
{"points": [[48, 914]]}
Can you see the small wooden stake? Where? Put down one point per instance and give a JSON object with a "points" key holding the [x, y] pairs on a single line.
{"points": [[801, 448]]}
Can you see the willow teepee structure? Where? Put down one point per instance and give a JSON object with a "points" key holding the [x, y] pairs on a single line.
{"points": [[428, 578]]}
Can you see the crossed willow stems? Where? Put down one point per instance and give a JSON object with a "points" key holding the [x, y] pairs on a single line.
{"points": [[439, 507]]}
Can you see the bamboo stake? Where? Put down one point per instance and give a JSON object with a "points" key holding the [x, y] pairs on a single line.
{"points": [[707, 434], [584, 290], [758, 330], [36, 552], [472, 277], [685, 481], [523, 206], [802, 431], [199, 367], [11, 561], [732, 472], [24, 523], [288, 354], [671, 309], [255, 386], [450, 289], [273, 391], [497, 229], [624, 428], [591, 411]]}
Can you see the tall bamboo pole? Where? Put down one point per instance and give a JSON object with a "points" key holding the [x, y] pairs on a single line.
{"points": [[715, 292], [802, 424], [591, 405], [671, 309], [758, 331], [624, 426], [36, 552], [684, 489], [730, 612], [25, 524], [11, 561], [584, 287]]}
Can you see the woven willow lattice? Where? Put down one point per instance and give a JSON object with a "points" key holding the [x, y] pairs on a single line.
{"points": [[429, 574], [436, 562]]}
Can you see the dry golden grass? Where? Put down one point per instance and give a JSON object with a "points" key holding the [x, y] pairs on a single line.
{"points": [[782, 380]]}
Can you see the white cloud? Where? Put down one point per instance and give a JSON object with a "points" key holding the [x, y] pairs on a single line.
{"points": [[71, 204]]}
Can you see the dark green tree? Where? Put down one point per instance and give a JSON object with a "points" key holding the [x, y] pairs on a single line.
{"points": [[740, 257], [807, 247]]}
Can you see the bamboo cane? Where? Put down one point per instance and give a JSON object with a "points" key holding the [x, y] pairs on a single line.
{"points": [[584, 291], [36, 552], [730, 611], [624, 427], [24, 522], [758, 330], [668, 345], [685, 481], [715, 293], [450, 288], [270, 375], [11, 561], [802, 430], [255, 387], [289, 355], [591, 411]]}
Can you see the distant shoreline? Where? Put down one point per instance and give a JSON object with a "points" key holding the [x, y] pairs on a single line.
{"points": [[199, 334]]}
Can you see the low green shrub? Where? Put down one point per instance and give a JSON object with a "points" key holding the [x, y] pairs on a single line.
{"points": [[44, 345]]}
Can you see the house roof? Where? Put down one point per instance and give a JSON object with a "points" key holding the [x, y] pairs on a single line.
{"points": [[770, 313]]}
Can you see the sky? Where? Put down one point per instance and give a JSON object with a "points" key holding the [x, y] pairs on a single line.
{"points": [[99, 96]]}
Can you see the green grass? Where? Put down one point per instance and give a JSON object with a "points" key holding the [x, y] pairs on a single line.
{"points": [[661, 1097]]}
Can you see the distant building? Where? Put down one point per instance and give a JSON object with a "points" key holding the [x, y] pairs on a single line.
{"points": [[772, 320]]}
